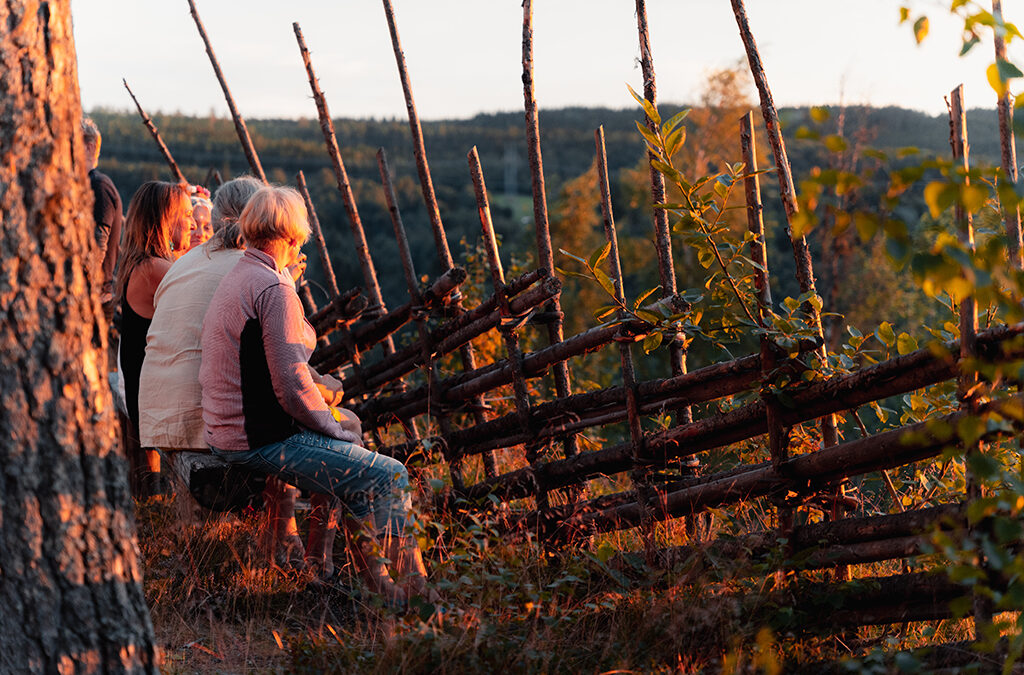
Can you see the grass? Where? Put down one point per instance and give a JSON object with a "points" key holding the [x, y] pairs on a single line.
{"points": [[508, 606]]}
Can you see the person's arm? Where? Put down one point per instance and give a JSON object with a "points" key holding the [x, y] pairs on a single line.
{"points": [[287, 347], [107, 214], [330, 387]]}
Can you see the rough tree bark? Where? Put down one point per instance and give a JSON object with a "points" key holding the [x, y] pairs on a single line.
{"points": [[70, 575]]}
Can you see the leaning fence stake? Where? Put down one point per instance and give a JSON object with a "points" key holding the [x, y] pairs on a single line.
{"points": [[1008, 151], [178, 175], [420, 316], [563, 388], [318, 237], [666, 266], [444, 254], [509, 324], [663, 239], [629, 383], [419, 149], [240, 128], [801, 253], [968, 380], [804, 267], [341, 176]]}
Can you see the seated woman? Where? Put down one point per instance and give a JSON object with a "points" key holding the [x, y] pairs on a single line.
{"points": [[202, 211], [261, 402], [157, 230], [170, 399]]}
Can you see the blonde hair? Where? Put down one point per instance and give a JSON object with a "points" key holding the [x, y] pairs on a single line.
{"points": [[273, 213], [154, 208]]}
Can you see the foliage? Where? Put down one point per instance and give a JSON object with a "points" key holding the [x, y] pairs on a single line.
{"points": [[509, 603]]}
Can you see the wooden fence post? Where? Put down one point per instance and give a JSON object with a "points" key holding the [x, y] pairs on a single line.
{"points": [[444, 255], [240, 128], [545, 258], [1008, 152]]}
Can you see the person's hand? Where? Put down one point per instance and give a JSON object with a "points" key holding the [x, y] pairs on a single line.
{"points": [[348, 420], [296, 270], [333, 396]]}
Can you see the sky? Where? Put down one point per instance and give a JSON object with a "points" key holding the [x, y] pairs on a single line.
{"points": [[464, 56]]}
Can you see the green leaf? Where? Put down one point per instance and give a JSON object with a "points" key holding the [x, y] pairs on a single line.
{"points": [[649, 317], [995, 81], [652, 112], [675, 141], [604, 310], [574, 257], [652, 342], [569, 273], [906, 343], [969, 45], [600, 254], [605, 281], [835, 143], [639, 301], [803, 222], [939, 196], [885, 334], [904, 14], [973, 197], [1008, 197], [867, 225], [671, 124], [670, 173], [921, 29], [651, 139], [820, 113], [806, 133], [1008, 71]]}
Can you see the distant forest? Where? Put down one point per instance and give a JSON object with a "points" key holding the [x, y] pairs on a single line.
{"points": [[286, 146]]}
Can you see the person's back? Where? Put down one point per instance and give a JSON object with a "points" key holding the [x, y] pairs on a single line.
{"points": [[107, 211], [170, 398]]}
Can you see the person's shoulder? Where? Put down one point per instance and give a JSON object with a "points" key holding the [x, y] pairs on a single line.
{"points": [[154, 268], [102, 182], [97, 177]]}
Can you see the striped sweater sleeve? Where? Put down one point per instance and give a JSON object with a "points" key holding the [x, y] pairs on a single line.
{"points": [[288, 341]]}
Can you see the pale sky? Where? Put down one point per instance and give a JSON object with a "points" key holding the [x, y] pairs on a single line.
{"points": [[464, 56]]}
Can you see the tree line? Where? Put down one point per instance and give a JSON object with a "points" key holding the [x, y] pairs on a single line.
{"points": [[203, 144]]}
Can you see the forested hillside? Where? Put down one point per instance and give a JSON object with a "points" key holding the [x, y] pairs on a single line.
{"points": [[130, 157]]}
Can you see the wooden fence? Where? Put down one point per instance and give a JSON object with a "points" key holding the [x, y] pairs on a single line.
{"points": [[445, 418]]}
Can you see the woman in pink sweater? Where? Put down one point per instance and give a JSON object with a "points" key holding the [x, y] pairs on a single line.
{"points": [[264, 408]]}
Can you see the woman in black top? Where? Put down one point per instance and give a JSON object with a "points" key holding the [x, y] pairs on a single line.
{"points": [[157, 231]]}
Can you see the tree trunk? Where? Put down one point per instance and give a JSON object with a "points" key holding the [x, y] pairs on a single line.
{"points": [[71, 582]]}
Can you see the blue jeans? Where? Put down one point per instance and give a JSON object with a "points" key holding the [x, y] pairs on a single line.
{"points": [[367, 483]]}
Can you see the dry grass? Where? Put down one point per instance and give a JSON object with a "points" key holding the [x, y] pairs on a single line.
{"points": [[507, 606]]}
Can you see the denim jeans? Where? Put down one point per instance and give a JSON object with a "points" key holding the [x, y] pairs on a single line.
{"points": [[367, 483]]}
